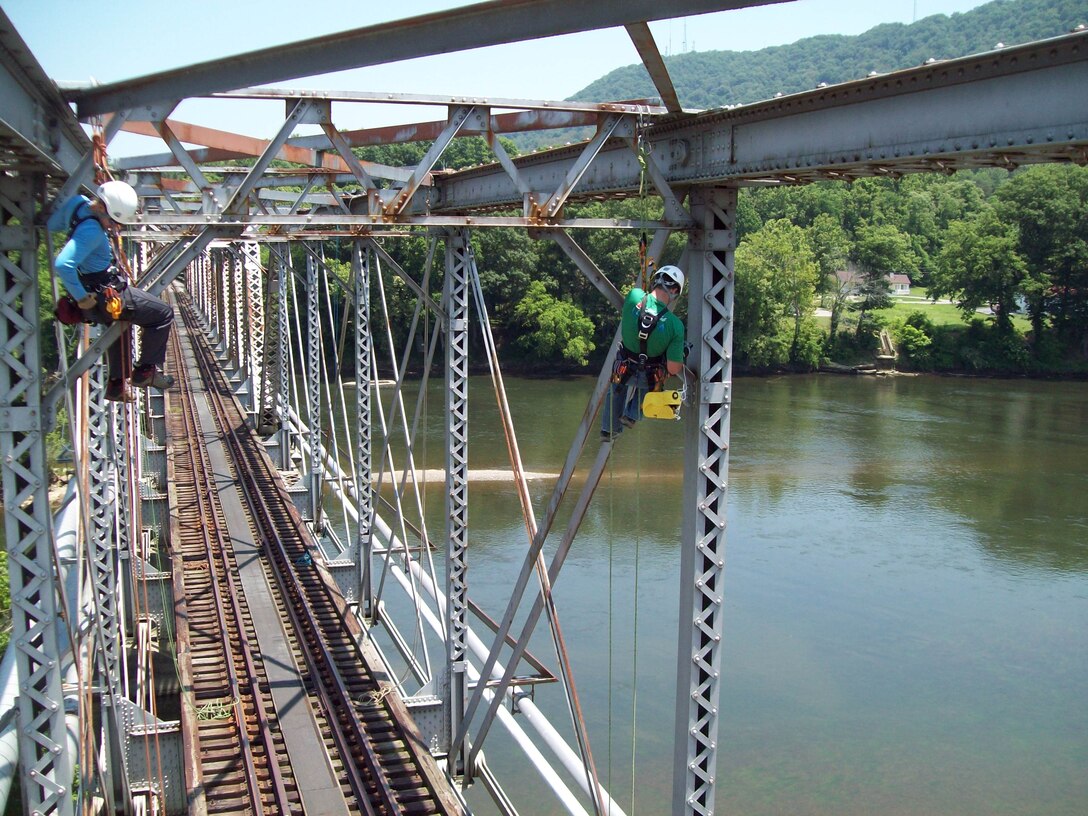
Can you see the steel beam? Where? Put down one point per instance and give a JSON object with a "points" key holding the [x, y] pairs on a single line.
{"points": [[37, 129], [268, 417], [314, 363], [455, 297], [482, 24], [1003, 108], [706, 462], [254, 320], [364, 488], [445, 100], [43, 749], [643, 39]]}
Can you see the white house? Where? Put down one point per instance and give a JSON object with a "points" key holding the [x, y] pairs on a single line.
{"points": [[850, 280], [899, 284]]}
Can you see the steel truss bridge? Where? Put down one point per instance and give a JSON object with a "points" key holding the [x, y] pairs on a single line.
{"points": [[204, 232]]}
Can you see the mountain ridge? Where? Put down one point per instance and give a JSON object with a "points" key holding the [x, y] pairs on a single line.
{"points": [[713, 79]]}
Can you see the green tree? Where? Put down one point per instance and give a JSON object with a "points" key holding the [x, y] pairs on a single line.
{"points": [[879, 252], [507, 260], [914, 338], [776, 277], [462, 152], [5, 602], [831, 246], [979, 265], [1048, 205], [553, 328]]}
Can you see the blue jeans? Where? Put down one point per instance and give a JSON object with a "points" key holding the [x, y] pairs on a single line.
{"points": [[624, 401]]}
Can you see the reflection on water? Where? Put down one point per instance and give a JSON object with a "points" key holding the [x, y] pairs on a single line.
{"points": [[906, 593]]}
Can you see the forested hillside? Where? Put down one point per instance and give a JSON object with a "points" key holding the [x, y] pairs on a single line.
{"points": [[709, 79], [1006, 253]]}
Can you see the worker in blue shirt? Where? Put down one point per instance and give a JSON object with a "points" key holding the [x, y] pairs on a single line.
{"points": [[89, 272]]}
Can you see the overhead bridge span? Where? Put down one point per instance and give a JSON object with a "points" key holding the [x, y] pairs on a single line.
{"points": [[243, 605]]}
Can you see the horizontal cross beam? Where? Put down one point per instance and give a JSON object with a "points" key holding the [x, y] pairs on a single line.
{"points": [[481, 24], [1003, 108]]}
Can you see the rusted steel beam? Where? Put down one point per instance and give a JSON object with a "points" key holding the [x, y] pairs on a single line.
{"points": [[236, 143], [643, 39], [503, 123], [445, 100]]}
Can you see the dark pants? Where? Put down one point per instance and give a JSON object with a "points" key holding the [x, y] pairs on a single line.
{"points": [[141, 309], [624, 400]]}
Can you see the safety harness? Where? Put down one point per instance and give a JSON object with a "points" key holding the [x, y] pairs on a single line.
{"points": [[75, 220], [109, 283], [627, 363]]}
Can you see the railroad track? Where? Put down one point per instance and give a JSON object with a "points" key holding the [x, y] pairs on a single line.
{"points": [[237, 737], [379, 760]]}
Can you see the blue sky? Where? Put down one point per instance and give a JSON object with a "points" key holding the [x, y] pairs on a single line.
{"points": [[77, 41]]}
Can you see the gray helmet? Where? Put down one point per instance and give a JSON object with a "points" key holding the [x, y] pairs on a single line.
{"points": [[671, 278]]}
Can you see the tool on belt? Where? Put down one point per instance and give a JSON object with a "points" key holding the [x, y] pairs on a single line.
{"points": [[111, 302]]}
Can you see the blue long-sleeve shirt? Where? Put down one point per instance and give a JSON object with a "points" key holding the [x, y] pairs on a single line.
{"points": [[88, 248]]}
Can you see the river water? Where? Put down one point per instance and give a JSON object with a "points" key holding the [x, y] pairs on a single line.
{"points": [[906, 594]]}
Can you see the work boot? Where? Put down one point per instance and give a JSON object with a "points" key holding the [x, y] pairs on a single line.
{"points": [[118, 391], [148, 377]]}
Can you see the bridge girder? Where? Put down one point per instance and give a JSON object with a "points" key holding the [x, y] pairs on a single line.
{"points": [[959, 113], [1002, 108], [482, 24], [37, 129]]}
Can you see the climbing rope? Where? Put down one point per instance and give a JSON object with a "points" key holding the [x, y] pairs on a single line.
{"points": [[634, 619], [611, 589], [642, 152], [221, 709], [102, 174]]}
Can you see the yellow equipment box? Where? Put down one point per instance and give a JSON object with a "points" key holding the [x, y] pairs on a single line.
{"points": [[662, 405]]}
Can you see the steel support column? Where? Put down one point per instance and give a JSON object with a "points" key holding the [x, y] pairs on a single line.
{"points": [[313, 384], [268, 419], [706, 461], [218, 293], [252, 275], [43, 751], [364, 497], [103, 539], [101, 529], [124, 527], [455, 298], [284, 363], [204, 278], [236, 315]]}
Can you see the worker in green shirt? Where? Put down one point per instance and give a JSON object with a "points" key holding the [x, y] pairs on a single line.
{"points": [[652, 349]]}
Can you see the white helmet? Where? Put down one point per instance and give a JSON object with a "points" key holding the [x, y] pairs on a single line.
{"points": [[670, 277], [120, 200]]}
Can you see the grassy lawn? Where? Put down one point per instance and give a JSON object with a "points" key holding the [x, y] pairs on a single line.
{"points": [[942, 314]]}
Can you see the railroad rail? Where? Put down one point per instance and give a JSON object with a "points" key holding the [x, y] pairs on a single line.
{"points": [[235, 739]]}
